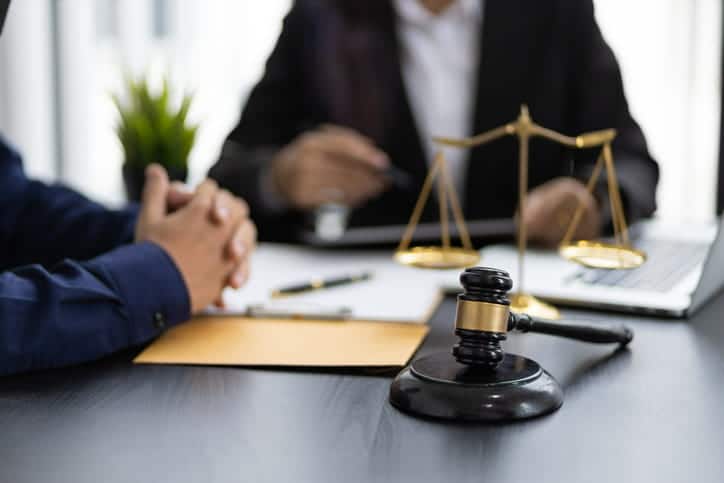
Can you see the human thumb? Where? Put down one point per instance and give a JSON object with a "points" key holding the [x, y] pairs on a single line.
{"points": [[153, 207]]}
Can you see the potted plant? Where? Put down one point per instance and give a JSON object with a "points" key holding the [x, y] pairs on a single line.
{"points": [[151, 130]]}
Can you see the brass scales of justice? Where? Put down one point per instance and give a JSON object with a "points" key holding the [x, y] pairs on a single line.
{"points": [[618, 255]]}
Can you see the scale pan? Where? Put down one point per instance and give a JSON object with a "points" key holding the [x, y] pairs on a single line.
{"points": [[593, 254], [438, 258]]}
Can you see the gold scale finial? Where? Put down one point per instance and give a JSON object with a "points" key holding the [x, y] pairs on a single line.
{"points": [[593, 254]]}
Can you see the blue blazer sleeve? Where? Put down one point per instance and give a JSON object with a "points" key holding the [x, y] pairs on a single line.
{"points": [[45, 224], [108, 299], [78, 312]]}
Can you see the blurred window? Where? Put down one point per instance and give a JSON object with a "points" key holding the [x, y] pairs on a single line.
{"points": [[107, 18], [161, 17]]}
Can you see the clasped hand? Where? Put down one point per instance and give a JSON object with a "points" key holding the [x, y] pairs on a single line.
{"points": [[207, 233]]}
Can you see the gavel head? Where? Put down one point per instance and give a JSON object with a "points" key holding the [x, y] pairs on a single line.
{"points": [[483, 314]]}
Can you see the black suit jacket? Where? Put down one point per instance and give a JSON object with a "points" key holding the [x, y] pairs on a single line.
{"points": [[550, 55]]}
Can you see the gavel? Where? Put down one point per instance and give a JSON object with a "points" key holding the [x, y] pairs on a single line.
{"points": [[478, 380], [484, 318]]}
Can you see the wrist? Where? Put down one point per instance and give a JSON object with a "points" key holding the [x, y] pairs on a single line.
{"points": [[150, 284], [180, 263], [270, 193]]}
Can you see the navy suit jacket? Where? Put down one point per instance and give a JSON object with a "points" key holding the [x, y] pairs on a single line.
{"points": [[71, 290], [328, 68]]}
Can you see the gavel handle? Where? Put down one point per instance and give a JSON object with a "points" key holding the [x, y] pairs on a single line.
{"points": [[596, 335]]}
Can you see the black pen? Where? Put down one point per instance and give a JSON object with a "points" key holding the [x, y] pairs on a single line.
{"points": [[320, 284], [399, 178]]}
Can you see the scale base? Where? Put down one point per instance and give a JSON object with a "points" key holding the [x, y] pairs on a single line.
{"points": [[438, 386], [522, 303]]}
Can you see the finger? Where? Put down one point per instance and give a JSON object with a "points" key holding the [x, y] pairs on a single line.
{"points": [[560, 212], [352, 146], [568, 197], [245, 238], [237, 226], [337, 166], [356, 194], [155, 191], [539, 217], [535, 214], [243, 242], [342, 175], [238, 245], [205, 194], [321, 183], [337, 129], [179, 195], [222, 207], [239, 208], [345, 192], [533, 208], [219, 303], [590, 225], [240, 276]]}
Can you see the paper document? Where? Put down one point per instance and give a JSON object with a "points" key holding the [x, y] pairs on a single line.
{"points": [[232, 341], [395, 293]]}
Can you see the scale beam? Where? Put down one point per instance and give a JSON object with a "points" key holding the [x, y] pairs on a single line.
{"points": [[619, 255]]}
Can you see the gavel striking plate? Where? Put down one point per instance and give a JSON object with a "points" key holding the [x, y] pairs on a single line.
{"points": [[477, 380]]}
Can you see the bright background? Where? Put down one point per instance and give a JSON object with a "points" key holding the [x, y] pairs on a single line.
{"points": [[60, 59]]}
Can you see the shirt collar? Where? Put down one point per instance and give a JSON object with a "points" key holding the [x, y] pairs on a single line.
{"points": [[413, 12]]}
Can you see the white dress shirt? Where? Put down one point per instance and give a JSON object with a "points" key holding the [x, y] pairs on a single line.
{"points": [[440, 58]]}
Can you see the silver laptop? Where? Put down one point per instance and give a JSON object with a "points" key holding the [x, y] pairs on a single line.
{"points": [[685, 268], [392, 234]]}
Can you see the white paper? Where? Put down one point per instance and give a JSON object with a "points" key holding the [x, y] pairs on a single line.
{"points": [[395, 293]]}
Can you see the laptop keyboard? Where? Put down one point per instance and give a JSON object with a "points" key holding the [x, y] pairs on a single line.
{"points": [[667, 263]]}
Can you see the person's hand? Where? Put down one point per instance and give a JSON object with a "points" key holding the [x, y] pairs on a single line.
{"points": [[179, 195], [197, 243], [330, 165], [550, 208]]}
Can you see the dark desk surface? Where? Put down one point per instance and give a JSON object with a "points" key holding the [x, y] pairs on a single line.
{"points": [[655, 413]]}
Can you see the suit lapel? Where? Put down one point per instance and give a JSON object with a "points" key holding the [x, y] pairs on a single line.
{"points": [[505, 59], [403, 130], [509, 27]]}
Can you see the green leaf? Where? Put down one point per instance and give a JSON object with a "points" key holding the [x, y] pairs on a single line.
{"points": [[150, 130]]}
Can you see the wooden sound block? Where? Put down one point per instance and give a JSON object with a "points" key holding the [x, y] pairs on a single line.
{"points": [[438, 386]]}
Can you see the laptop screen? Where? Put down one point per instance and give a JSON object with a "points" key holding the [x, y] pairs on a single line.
{"points": [[711, 281]]}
